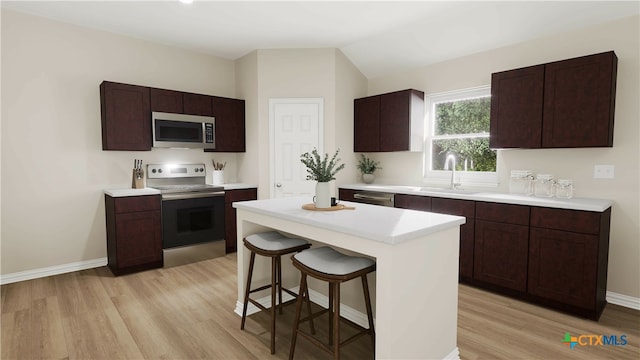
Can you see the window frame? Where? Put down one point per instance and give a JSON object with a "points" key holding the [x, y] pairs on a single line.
{"points": [[443, 177]]}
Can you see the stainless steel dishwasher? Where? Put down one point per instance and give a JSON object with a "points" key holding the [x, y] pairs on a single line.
{"points": [[374, 197]]}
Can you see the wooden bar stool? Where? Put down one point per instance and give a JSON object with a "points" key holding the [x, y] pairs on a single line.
{"points": [[271, 244], [329, 265]]}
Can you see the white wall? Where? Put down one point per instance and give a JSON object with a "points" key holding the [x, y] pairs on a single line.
{"points": [[53, 167], [297, 73], [622, 36]]}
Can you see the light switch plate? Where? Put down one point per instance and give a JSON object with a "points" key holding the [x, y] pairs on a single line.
{"points": [[603, 172]]}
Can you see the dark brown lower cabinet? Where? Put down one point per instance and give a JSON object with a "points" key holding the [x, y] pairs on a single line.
{"points": [[134, 233], [501, 245], [412, 202], [568, 259], [548, 256], [500, 256], [230, 230]]}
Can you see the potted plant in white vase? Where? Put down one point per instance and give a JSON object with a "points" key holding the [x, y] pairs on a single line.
{"points": [[322, 171], [367, 167]]}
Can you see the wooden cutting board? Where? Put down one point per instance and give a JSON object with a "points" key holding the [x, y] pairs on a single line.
{"points": [[333, 208]]}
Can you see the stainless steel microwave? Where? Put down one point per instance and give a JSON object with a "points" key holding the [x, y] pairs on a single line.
{"points": [[183, 131]]}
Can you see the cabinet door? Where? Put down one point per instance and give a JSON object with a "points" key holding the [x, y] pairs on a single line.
{"points": [[230, 125], [166, 101], [516, 108], [231, 232], [197, 104], [500, 254], [397, 109], [126, 117], [413, 202], [366, 126], [139, 238], [394, 121], [579, 98], [464, 208], [563, 266]]}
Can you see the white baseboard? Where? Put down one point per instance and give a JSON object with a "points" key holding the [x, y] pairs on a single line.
{"points": [[51, 270], [453, 355], [623, 300], [346, 312]]}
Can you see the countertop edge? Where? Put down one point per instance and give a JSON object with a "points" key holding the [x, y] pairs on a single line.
{"points": [[131, 192], [239, 186], [584, 204]]}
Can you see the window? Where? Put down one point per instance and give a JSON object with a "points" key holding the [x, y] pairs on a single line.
{"points": [[459, 132]]}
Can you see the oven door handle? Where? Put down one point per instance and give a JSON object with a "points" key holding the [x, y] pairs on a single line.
{"points": [[191, 195]]}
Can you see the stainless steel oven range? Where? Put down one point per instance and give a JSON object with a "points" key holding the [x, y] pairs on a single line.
{"points": [[192, 212]]}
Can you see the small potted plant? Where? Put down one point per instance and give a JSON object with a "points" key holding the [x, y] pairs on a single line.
{"points": [[367, 167], [322, 171]]}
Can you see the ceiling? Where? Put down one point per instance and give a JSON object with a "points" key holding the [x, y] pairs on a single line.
{"points": [[379, 37]]}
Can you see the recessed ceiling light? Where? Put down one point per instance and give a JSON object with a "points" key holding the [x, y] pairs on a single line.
{"points": [[186, 1]]}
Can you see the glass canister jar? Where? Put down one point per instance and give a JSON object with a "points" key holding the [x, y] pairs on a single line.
{"points": [[521, 182], [564, 189], [544, 185]]}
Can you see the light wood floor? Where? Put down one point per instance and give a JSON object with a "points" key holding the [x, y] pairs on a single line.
{"points": [[186, 312]]}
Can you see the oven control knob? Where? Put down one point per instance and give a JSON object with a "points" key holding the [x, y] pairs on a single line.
{"points": [[153, 171], [201, 170], [160, 171]]}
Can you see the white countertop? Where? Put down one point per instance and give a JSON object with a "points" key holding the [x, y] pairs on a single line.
{"points": [[585, 204], [378, 223], [131, 192], [238, 186], [150, 191]]}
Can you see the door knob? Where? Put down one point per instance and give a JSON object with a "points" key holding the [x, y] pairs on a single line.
{"points": [[278, 185]]}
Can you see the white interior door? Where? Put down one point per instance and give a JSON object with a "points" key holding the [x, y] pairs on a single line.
{"points": [[296, 128]]}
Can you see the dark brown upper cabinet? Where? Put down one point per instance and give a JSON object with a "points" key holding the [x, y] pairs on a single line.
{"points": [[230, 125], [516, 108], [125, 116], [168, 101], [197, 104], [563, 104], [388, 122], [178, 102]]}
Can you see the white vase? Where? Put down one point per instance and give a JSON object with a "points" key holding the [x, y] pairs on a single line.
{"points": [[322, 200], [368, 178]]}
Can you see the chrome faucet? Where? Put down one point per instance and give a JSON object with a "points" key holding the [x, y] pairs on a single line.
{"points": [[451, 159]]}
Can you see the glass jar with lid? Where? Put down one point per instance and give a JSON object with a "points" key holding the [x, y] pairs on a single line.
{"points": [[544, 185], [521, 182], [564, 189]]}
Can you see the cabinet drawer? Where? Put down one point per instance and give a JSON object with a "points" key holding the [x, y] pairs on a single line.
{"points": [[413, 202], [457, 207], [137, 203], [503, 213], [585, 222], [231, 196]]}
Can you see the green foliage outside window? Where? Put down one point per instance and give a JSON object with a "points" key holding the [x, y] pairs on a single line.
{"points": [[462, 129]]}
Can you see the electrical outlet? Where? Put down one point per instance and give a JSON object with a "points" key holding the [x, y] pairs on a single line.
{"points": [[603, 172]]}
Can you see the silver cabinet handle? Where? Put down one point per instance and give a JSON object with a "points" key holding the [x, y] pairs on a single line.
{"points": [[369, 197], [278, 185]]}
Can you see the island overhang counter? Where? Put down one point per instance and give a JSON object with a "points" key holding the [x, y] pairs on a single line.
{"points": [[416, 254]]}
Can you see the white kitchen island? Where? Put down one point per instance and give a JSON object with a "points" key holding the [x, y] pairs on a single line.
{"points": [[416, 281]]}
